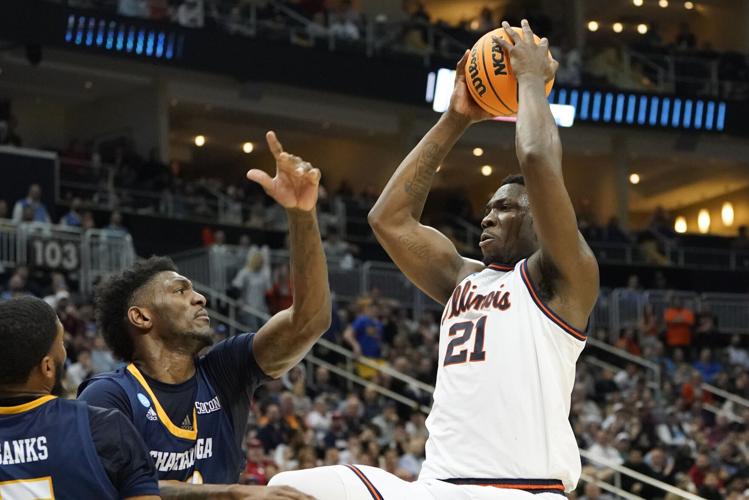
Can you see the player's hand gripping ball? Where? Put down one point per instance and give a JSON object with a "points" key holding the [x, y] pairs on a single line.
{"points": [[489, 69]]}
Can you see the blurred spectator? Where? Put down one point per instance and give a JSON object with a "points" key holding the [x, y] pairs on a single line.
{"points": [[3, 209], [685, 39], [133, 8], [73, 217], [87, 220], [274, 430], [628, 342], [115, 229], [190, 14], [650, 324], [280, 295], [415, 29], [593, 492], [16, 287], [33, 206], [345, 21], [679, 322], [742, 239], [335, 248], [737, 355], [253, 281], [256, 469], [364, 336], [614, 233], [101, 357], [707, 367], [79, 371], [8, 135]]}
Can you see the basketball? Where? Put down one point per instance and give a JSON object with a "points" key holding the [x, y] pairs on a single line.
{"points": [[489, 75]]}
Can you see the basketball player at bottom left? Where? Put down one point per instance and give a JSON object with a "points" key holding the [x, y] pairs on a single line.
{"points": [[55, 448]]}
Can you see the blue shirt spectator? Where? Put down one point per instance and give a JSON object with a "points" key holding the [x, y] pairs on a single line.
{"points": [[365, 333], [708, 368], [32, 201], [73, 217]]}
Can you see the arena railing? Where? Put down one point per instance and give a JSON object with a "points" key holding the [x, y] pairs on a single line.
{"points": [[85, 255]]}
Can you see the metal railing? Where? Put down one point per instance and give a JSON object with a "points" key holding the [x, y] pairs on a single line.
{"points": [[92, 253]]}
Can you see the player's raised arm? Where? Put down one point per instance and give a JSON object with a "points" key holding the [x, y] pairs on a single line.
{"points": [[539, 152], [426, 256], [284, 340]]}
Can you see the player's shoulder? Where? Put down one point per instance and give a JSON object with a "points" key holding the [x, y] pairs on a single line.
{"points": [[106, 390], [107, 381]]}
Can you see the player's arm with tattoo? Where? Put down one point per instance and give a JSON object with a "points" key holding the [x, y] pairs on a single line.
{"points": [[539, 152], [426, 256], [287, 337]]}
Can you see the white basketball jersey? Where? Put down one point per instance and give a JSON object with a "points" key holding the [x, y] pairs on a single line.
{"points": [[504, 384]]}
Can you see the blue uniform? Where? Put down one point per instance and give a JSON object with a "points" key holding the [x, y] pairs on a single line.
{"points": [[197, 442], [47, 451]]}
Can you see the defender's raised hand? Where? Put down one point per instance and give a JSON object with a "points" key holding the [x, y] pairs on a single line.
{"points": [[296, 182], [528, 58]]}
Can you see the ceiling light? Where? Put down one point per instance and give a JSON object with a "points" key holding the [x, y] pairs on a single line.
{"points": [[248, 147], [642, 28], [726, 214], [478, 151], [703, 221], [200, 140], [680, 225], [486, 170], [634, 178], [663, 3], [593, 26], [618, 27], [638, 3]]}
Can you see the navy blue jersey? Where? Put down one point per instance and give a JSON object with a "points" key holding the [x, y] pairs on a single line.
{"points": [[47, 451], [204, 445]]}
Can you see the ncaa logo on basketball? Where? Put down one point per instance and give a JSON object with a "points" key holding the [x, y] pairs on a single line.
{"points": [[498, 57], [473, 69], [144, 400]]}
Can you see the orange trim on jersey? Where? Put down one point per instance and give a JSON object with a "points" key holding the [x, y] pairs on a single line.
{"points": [[548, 312], [364, 479], [500, 267], [527, 486], [14, 410]]}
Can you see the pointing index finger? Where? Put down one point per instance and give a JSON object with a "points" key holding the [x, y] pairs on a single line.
{"points": [[273, 143]]}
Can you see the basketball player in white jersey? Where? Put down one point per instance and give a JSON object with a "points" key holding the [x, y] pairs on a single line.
{"points": [[513, 325]]}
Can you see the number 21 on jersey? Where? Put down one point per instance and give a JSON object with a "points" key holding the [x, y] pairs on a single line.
{"points": [[461, 333]]}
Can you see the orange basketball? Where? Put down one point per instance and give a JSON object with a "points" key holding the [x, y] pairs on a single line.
{"points": [[489, 75]]}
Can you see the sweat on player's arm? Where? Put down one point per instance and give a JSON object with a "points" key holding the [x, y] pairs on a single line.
{"points": [[285, 339], [539, 151], [426, 256]]}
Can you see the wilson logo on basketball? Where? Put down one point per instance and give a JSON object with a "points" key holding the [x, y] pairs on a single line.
{"points": [[498, 57], [473, 69], [464, 299]]}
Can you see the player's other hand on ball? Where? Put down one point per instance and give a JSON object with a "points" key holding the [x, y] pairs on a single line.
{"points": [[528, 58], [296, 182], [462, 104], [242, 492]]}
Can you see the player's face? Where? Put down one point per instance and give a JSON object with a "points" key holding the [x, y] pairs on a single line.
{"points": [[507, 226], [180, 316]]}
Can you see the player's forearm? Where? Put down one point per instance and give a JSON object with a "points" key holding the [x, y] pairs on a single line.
{"points": [[311, 309], [405, 194], [537, 140], [175, 490]]}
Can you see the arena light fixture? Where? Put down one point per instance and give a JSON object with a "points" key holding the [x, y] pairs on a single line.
{"points": [[478, 152], [638, 3], [439, 167], [593, 26], [200, 141], [703, 221], [634, 179], [726, 214], [618, 27], [662, 4], [680, 225], [642, 29], [248, 147], [486, 170], [689, 5]]}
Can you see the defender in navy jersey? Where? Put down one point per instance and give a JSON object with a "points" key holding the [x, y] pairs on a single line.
{"points": [[192, 409], [53, 448]]}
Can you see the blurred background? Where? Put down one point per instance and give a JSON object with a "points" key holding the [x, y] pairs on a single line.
{"points": [[126, 127]]}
